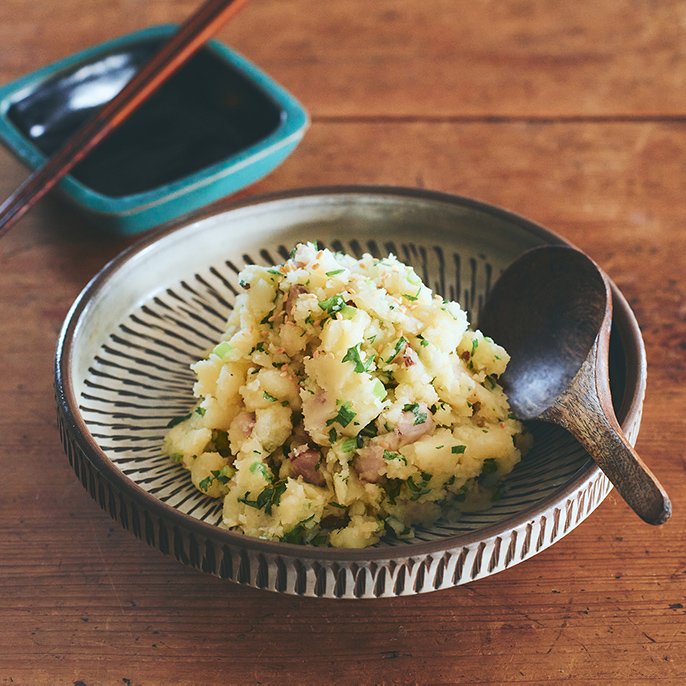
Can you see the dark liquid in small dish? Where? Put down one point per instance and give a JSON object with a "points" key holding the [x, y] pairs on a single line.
{"points": [[205, 113]]}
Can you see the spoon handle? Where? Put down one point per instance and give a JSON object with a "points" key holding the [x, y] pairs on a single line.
{"points": [[585, 410]]}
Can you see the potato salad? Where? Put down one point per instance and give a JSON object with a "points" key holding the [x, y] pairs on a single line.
{"points": [[344, 403]]}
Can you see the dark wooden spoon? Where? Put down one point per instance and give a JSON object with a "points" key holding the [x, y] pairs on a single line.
{"points": [[552, 310]]}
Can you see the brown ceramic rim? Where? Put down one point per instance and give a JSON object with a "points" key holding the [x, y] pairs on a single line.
{"points": [[630, 406]]}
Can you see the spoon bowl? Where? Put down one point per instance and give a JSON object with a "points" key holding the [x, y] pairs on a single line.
{"points": [[552, 310]]}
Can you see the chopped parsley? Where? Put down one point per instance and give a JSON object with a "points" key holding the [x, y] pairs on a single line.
{"points": [[332, 305], [266, 318], [353, 355], [390, 455], [422, 341], [222, 349], [334, 272], [333, 436], [274, 271], [414, 297], [419, 416], [201, 411], [298, 533], [417, 490], [458, 449], [344, 417], [398, 347], [475, 345], [490, 382], [268, 396]]}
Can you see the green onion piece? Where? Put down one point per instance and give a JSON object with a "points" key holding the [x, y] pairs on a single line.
{"points": [[222, 350], [349, 445], [334, 272], [458, 449]]}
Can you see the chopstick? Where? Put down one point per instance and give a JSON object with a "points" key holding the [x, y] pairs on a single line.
{"points": [[191, 36]]}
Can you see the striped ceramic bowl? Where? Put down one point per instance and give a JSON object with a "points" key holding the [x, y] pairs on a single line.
{"points": [[122, 371]]}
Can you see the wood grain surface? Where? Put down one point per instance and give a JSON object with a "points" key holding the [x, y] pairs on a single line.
{"points": [[573, 114]]}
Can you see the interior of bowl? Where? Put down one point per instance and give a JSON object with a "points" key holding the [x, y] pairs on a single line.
{"points": [[152, 313]]}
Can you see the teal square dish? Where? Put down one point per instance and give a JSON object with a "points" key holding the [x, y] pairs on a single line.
{"points": [[215, 127]]}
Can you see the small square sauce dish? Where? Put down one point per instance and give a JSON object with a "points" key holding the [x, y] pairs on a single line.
{"points": [[218, 125]]}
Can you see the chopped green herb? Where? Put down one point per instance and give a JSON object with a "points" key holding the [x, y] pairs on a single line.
{"points": [[390, 455], [353, 355], [419, 416], [334, 272], [221, 442], [345, 415], [278, 365], [201, 411], [177, 420], [271, 496], [268, 396], [297, 533], [262, 469], [333, 304], [369, 431], [243, 284], [284, 403], [398, 346], [308, 319], [475, 345], [414, 297], [371, 339], [333, 436], [422, 341], [393, 489], [274, 271], [458, 449], [335, 504], [251, 503], [176, 457], [224, 474], [266, 318], [260, 347], [204, 484], [490, 382], [419, 489], [438, 447]]}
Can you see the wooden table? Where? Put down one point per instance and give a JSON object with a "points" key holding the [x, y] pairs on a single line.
{"points": [[570, 113]]}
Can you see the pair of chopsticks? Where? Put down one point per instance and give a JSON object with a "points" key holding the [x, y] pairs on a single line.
{"points": [[191, 36]]}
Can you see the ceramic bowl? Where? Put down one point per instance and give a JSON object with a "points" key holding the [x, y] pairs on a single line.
{"points": [[218, 125], [122, 371]]}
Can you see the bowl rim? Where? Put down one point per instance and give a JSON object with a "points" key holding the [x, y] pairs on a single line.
{"points": [[293, 122], [629, 412]]}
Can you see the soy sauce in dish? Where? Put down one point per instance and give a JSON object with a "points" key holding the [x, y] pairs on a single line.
{"points": [[205, 113]]}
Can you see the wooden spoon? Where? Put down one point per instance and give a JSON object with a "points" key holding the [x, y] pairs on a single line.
{"points": [[552, 311]]}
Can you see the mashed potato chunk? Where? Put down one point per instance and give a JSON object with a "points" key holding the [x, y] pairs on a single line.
{"points": [[346, 402]]}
